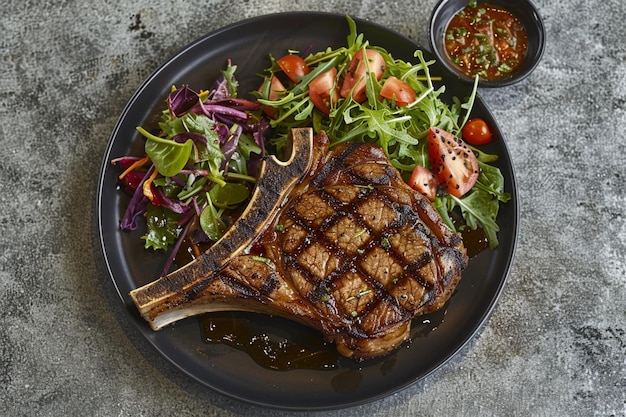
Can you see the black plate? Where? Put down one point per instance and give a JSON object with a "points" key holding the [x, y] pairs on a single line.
{"points": [[231, 371]]}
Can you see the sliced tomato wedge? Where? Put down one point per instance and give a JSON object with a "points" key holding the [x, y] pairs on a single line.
{"points": [[424, 182], [323, 92], [403, 92], [294, 67], [276, 88], [453, 162], [355, 79]]}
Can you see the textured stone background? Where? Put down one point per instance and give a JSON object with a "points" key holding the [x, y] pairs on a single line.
{"points": [[556, 343]]}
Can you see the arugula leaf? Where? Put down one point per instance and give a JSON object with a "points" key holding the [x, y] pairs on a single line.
{"points": [[387, 130], [480, 206], [479, 209], [231, 82], [247, 146], [491, 181]]}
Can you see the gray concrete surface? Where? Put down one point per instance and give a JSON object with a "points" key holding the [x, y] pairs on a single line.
{"points": [[556, 343]]}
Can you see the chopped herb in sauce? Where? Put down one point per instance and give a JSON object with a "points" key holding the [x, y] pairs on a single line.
{"points": [[486, 40]]}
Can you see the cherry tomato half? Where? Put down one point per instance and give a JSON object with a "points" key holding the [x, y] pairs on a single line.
{"points": [[276, 88], [358, 69], [294, 67], [424, 182], [322, 90], [476, 132], [394, 87]]}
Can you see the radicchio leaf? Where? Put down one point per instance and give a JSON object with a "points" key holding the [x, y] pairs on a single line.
{"points": [[228, 144], [258, 133], [220, 89], [161, 200], [182, 100], [197, 138]]}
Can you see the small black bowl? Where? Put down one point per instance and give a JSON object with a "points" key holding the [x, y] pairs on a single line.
{"points": [[524, 10]]}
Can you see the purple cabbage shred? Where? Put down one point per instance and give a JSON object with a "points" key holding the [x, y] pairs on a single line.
{"points": [[137, 205]]}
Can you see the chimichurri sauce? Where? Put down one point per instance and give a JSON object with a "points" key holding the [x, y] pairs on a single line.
{"points": [[486, 40]]}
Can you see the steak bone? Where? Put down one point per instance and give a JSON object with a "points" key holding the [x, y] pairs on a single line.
{"points": [[159, 301]]}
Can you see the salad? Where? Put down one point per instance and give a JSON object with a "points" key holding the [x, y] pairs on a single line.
{"points": [[198, 170], [361, 93], [200, 166]]}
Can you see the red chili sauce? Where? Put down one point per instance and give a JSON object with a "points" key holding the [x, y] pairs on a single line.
{"points": [[486, 40]]}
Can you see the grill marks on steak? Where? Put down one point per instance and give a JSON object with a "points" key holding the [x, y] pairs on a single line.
{"points": [[351, 250], [367, 251]]}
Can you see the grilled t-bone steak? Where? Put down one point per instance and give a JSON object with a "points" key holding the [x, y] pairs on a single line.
{"points": [[333, 239]]}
